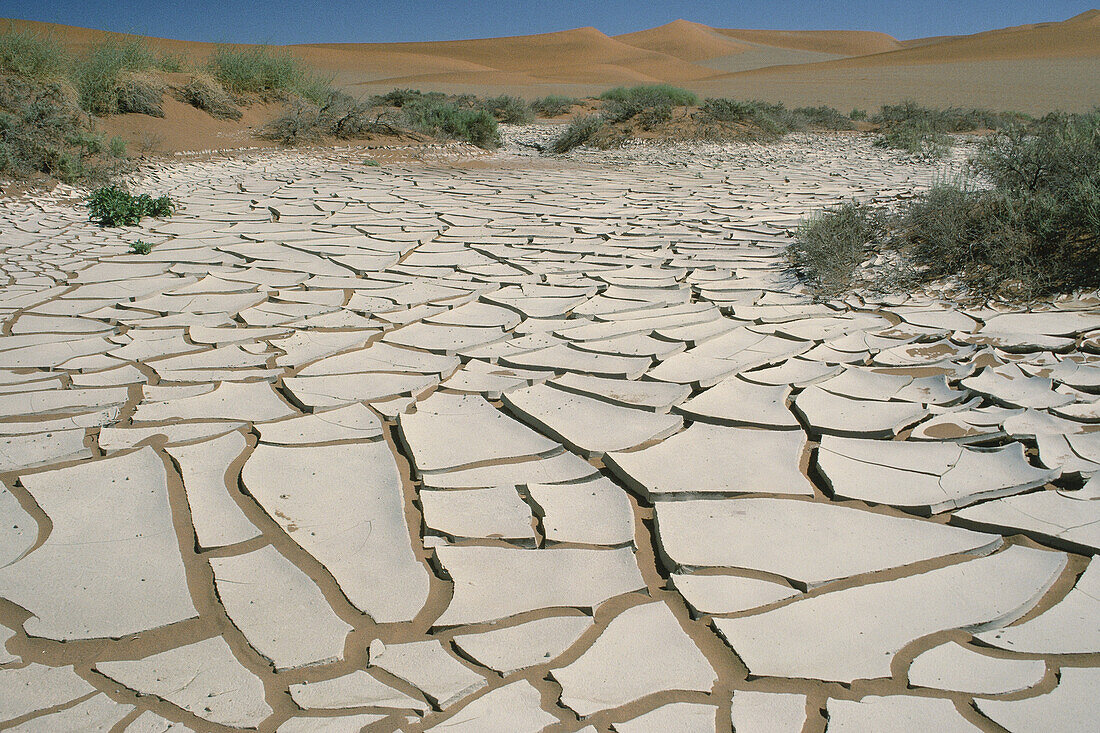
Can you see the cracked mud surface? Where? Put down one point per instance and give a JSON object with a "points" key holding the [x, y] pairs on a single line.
{"points": [[505, 445]]}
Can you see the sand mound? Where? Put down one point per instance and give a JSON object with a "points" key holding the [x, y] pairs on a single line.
{"points": [[685, 40], [839, 43]]}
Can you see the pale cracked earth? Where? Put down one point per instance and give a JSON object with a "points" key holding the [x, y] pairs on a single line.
{"points": [[515, 445]]}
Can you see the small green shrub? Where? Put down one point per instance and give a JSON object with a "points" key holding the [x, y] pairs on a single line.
{"points": [[824, 118], [31, 56], [439, 118], [265, 71], [654, 117], [952, 119], [651, 95], [208, 96], [581, 130], [113, 206], [400, 97], [831, 244], [1036, 232], [510, 110], [109, 80], [553, 105], [859, 115], [371, 162], [916, 137], [767, 121], [728, 110], [923, 131], [41, 132], [117, 147], [141, 248]]}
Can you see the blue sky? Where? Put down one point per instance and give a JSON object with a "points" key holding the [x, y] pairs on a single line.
{"points": [[303, 21]]}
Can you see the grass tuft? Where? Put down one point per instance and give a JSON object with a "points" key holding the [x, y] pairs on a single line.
{"points": [[651, 95], [553, 105], [206, 94], [31, 56], [267, 72], [442, 118], [510, 110], [832, 243], [581, 131]]}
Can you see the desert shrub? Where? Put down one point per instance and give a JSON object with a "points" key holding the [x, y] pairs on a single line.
{"points": [[208, 95], [1035, 232], [510, 110], [110, 79], [264, 71], [341, 116], [345, 117], [114, 206], [728, 110], [141, 248], [832, 243], [441, 118], [399, 97], [31, 56], [767, 120], [824, 118], [859, 115], [624, 103], [553, 105], [924, 131], [580, 131], [41, 132], [1053, 154], [300, 122], [916, 137], [952, 119], [117, 147], [651, 95], [653, 117]]}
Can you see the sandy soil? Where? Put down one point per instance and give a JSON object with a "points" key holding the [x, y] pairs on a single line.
{"points": [[1031, 68]]}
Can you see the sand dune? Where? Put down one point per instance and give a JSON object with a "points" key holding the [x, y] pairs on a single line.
{"points": [[840, 43], [685, 40], [1031, 68]]}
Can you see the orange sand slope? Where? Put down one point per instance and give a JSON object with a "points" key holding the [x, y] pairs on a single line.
{"points": [[1031, 68]]}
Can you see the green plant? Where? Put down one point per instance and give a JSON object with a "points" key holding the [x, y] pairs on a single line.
{"points": [[764, 120], [553, 105], [265, 71], [1035, 232], [580, 131], [399, 97], [371, 162], [439, 118], [41, 132], [917, 137], [112, 79], [141, 248], [858, 115], [651, 95], [832, 243], [114, 206], [824, 118], [31, 56], [511, 110], [117, 147]]}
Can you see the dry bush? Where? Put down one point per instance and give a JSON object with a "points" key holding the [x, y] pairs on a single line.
{"points": [[202, 92]]}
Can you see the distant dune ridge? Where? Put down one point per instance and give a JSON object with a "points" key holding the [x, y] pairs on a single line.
{"points": [[1032, 68]]}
